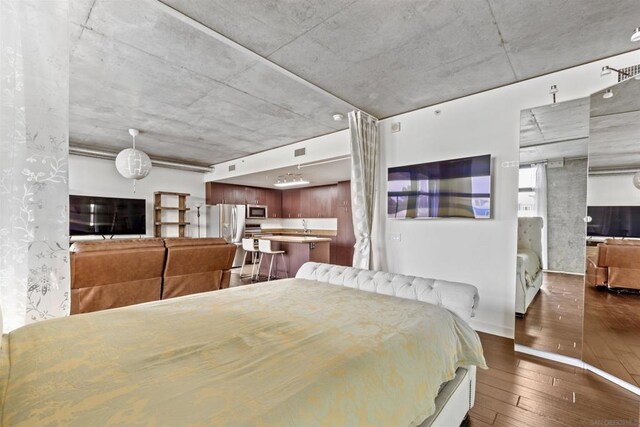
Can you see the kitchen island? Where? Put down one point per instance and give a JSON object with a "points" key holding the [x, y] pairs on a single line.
{"points": [[299, 249]]}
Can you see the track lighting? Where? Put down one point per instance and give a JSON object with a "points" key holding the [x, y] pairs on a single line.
{"points": [[606, 70], [608, 94], [635, 37]]}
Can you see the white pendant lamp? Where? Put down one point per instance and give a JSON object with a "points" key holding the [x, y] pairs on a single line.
{"points": [[132, 163]]}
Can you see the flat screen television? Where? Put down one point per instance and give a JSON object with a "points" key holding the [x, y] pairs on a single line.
{"points": [[459, 188], [89, 215], [613, 221]]}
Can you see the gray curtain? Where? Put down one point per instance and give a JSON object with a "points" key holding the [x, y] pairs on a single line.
{"points": [[364, 165], [34, 150]]}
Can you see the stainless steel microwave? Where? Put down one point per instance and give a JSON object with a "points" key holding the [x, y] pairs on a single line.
{"points": [[256, 211]]}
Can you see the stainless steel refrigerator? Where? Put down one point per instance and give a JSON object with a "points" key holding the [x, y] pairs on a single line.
{"points": [[227, 221]]}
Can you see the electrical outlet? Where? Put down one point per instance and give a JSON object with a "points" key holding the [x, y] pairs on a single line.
{"points": [[395, 127], [396, 237]]}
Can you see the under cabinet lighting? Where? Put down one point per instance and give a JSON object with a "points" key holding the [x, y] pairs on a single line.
{"points": [[291, 183]]}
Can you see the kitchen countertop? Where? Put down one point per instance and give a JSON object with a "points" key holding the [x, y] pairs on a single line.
{"points": [[296, 239]]}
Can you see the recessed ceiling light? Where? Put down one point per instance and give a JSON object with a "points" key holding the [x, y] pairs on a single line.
{"points": [[608, 94], [338, 117], [635, 37]]}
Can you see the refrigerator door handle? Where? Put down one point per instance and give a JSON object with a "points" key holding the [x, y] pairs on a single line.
{"points": [[234, 222]]}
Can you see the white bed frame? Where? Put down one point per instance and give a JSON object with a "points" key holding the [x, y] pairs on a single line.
{"points": [[457, 397]]}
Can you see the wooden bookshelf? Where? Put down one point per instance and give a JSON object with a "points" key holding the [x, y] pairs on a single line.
{"points": [[160, 206]]}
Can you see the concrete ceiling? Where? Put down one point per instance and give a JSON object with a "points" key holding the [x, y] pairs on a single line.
{"points": [[554, 131], [555, 122], [615, 129], [202, 101], [321, 174]]}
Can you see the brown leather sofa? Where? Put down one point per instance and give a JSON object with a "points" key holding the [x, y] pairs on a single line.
{"points": [[616, 265], [116, 273], [196, 265]]}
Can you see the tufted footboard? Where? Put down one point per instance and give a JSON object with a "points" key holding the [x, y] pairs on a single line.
{"points": [[460, 298]]}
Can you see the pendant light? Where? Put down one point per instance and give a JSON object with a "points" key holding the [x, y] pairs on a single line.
{"points": [[132, 163]]}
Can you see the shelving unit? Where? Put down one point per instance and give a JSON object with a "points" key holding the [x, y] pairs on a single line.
{"points": [[163, 219]]}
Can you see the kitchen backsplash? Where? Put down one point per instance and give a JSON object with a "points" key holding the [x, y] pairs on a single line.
{"points": [[296, 223]]}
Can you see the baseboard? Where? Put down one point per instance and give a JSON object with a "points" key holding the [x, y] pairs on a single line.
{"points": [[491, 329], [564, 272], [578, 364]]}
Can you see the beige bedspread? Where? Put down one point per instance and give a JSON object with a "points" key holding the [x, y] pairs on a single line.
{"points": [[285, 353]]}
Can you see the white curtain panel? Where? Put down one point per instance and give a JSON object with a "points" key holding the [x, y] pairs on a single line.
{"points": [[364, 164], [540, 194], [34, 193]]}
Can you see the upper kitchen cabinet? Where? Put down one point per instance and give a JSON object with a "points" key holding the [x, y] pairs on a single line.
{"points": [[291, 203], [256, 196], [319, 202], [274, 203]]}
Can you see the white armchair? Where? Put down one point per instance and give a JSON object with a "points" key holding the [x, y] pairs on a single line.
{"points": [[529, 262]]}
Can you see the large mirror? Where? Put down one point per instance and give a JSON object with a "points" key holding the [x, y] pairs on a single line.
{"points": [[612, 288], [551, 227]]}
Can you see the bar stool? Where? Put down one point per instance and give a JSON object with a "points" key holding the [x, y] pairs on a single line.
{"points": [[264, 246], [248, 245]]}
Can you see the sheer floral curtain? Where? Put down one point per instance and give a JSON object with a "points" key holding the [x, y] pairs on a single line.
{"points": [[540, 192], [34, 92], [364, 164]]}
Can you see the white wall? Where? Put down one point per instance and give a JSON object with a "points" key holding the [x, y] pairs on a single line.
{"points": [[481, 252], [612, 190], [321, 148], [98, 177]]}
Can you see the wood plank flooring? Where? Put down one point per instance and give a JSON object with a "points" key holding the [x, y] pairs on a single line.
{"points": [[522, 390], [553, 322], [612, 333]]}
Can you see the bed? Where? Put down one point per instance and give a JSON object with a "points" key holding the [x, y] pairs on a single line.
{"points": [[292, 352], [529, 271]]}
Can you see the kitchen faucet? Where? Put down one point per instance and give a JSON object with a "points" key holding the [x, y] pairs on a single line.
{"points": [[305, 226]]}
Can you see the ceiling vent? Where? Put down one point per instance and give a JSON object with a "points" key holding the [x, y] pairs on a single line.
{"points": [[299, 152], [631, 71], [232, 168]]}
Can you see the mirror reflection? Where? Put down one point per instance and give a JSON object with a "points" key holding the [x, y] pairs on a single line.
{"points": [[552, 203], [612, 288]]}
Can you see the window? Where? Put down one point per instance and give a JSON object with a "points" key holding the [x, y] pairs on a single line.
{"points": [[527, 191]]}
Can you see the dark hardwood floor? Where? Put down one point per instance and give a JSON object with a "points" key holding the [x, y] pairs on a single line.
{"points": [[612, 333], [553, 321], [522, 390]]}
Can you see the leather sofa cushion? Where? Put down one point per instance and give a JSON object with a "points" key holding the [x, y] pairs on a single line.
{"points": [[115, 273], [196, 265]]}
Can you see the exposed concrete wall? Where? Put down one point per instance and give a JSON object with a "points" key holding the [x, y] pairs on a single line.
{"points": [[566, 209]]}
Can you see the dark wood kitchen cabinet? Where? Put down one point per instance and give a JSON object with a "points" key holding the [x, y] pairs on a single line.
{"points": [[291, 203], [274, 203], [319, 202], [345, 239], [255, 196], [218, 193], [214, 193]]}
